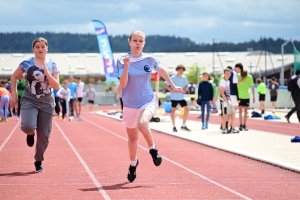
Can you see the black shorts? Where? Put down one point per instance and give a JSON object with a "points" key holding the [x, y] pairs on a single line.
{"points": [[221, 107], [91, 101], [176, 102], [262, 97], [244, 102], [79, 99], [273, 98]]}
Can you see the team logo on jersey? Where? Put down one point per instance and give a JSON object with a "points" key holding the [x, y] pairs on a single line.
{"points": [[147, 68]]}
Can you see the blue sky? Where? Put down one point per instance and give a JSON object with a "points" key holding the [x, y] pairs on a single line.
{"points": [[199, 20]]}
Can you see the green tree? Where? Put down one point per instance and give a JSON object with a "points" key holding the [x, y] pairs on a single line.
{"points": [[193, 73], [216, 78]]}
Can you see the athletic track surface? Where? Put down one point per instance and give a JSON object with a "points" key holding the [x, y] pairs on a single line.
{"points": [[89, 160]]}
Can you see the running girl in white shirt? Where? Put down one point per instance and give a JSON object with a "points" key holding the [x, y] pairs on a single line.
{"points": [[134, 71]]}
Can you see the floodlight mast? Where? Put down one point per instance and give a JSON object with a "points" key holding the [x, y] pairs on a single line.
{"points": [[282, 59]]}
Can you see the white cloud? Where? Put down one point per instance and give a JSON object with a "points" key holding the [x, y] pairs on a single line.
{"points": [[199, 20]]}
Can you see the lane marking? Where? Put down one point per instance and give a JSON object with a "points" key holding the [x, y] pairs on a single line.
{"points": [[9, 136], [177, 164], [87, 169]]}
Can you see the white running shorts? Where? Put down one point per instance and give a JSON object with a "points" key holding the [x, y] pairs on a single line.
{"points": [[130, 115]]}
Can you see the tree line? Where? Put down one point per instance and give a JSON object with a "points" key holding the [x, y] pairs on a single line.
{"points": [[20, 42]]}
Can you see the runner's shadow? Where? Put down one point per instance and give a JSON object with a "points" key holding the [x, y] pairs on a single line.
{"points": [[19, 174], [119, 186]]}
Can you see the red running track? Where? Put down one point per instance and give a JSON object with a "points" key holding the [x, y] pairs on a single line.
{"points": [[89, 160]]}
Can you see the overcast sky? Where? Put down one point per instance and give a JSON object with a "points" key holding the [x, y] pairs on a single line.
{"points": [[199, 20]]}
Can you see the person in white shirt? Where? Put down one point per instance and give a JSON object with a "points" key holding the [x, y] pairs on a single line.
{"points": [[64, 94], [79, 96], [226, 103]]}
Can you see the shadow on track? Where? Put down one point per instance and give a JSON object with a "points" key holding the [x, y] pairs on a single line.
{"points": [[19, 173], [119, 186]]}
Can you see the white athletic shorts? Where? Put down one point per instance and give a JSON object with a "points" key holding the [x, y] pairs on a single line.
{"points": [[234, 101], [130, 115], [227, 108]]}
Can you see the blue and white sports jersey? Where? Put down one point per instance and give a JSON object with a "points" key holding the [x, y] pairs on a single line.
{"points": [[179, 82], [138, 90]]}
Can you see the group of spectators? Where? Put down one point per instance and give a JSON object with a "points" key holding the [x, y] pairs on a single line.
{"points": [[69, 98], [233, 91]]}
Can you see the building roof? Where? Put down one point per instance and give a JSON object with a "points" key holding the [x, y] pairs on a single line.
{"points": [[92, 63]]}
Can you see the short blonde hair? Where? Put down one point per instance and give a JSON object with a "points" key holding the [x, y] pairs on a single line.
{"points": [[40, 39], [137, 33]]}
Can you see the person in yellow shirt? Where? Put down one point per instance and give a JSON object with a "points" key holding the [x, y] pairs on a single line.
{"points": [[261, 89]]}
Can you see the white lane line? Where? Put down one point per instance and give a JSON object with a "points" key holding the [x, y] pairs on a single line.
{"points": [[87, 169], [177, 164], [8, 137]]}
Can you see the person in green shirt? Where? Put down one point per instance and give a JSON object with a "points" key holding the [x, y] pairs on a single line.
{"points": [[245, 81], [261, 89], [21, 84]]}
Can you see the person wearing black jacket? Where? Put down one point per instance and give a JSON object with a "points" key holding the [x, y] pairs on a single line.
{"points": [[205, 92], [296, 96]]}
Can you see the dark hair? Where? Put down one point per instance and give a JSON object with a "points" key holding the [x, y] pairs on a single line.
{"points": [[273, 78], [244, 73], [239, 65], [297, 72], [180, 67], [229, 67]]}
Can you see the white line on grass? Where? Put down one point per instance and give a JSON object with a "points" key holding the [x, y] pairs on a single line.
{"points": [[8, 137], [177, 164], [87, 169]]}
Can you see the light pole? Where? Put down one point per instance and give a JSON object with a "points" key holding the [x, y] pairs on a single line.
{"points": [[282, 67]]}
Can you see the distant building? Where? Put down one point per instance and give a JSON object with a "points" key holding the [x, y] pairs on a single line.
{"points": [[91, 64]]}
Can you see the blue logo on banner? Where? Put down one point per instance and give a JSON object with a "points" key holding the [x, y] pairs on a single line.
{"points": [[100, 31]]}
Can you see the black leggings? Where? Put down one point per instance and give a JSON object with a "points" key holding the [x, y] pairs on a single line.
{"points": [[64, 107], [296, 99], [57, 108], [121, 102], [19, 105], [71, 103]]}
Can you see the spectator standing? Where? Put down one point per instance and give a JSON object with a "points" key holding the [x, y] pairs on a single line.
{"points": [[64, 94], [181, 81], [294, 88], [273, 89], [192, 91], [262, 90], [73, 88], [226, 104], [57, 103], [245, 81], [21, 84], [90, 97], [205, 92], [79, 96], [4, 102]]}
